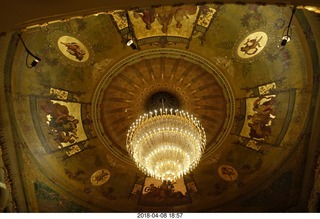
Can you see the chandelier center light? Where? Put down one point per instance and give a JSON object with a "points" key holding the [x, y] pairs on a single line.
{"points": [[166, 144]]}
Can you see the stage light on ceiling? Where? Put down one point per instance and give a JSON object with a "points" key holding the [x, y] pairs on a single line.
{"points": [[35, 59], [131, 44], [285, 39], [286, 36]]}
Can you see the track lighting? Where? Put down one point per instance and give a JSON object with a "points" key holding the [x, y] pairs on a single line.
{"points": [[287, 31], [131, 44], [35, 60]]}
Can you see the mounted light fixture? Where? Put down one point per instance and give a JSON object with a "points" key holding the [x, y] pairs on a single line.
{"points": [[166, 144], [131, 44], [286, 36], [35, 59]]}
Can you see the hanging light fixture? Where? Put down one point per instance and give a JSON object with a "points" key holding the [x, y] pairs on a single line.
{"points": [[166, 144], [35, 59], [286, 36], [131, 44]]}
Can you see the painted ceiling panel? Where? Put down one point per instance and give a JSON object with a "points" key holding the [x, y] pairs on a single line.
{"points": [[68, 116]]}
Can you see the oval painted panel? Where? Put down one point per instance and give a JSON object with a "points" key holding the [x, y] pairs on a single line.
{"points": [[228, 173], [252, 45], [73, 49], [100, 177]]}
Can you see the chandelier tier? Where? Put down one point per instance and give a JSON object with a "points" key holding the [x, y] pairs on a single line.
{"points": [[166, 144]]}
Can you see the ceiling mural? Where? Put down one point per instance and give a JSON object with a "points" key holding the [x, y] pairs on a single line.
{"points": [[68, 116], [164, 25], [162, 193]]}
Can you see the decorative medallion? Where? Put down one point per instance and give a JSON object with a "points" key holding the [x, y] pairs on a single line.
{"points": [[252, 45], [73, 49], [100, 177], [228, 173]]}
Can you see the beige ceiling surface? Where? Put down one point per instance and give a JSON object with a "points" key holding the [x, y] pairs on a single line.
{"points": [[223, 63]]}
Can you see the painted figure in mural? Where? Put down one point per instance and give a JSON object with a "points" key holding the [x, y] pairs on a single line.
{"points": [[64, 137], [261, 119], [164, 191], [251, 46], [164, 15], [265, 108], [147, 15], [205, 10], [152, 191], [137, 188], [63, 125], [58, 112], [182, 13], [258, 130], [74, 49]]}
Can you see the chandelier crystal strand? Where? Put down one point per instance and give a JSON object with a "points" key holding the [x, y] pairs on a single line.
{"points": [[166, 144]]}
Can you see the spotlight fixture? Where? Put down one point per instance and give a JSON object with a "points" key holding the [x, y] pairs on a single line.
{"points": [[287, 31], [35, 60], [131, 44], [285, 39]]}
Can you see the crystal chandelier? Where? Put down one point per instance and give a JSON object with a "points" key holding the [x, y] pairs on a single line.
{"points": [[166, 144]]}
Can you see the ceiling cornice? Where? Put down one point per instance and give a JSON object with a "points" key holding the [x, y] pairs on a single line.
{"points": [[19, 14]]}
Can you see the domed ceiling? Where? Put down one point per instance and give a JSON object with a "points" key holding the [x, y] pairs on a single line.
{"points": [[190, 84], [68, 116]]}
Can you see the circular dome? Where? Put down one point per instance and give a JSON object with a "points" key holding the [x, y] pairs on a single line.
{"points": [[184, 79]]}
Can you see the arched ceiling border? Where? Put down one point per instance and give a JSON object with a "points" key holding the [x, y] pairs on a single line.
{"points": [[311, 141], [38, 14], [11, 155]]}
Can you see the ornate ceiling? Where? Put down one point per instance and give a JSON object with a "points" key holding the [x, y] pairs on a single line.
{"points": [[65, 121]]}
